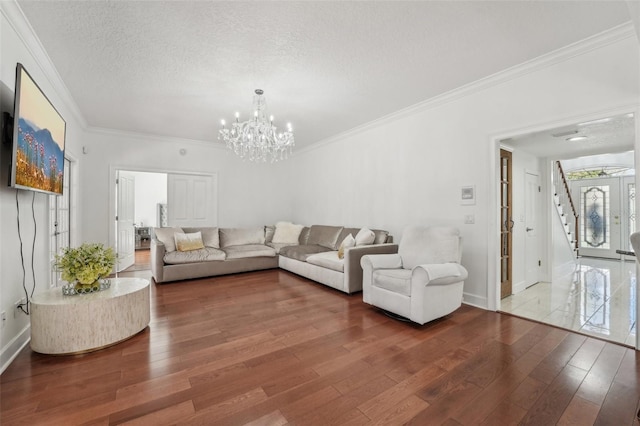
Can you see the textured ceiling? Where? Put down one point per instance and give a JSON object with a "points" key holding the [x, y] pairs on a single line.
{"points": [[604, 135], [175, 68]]}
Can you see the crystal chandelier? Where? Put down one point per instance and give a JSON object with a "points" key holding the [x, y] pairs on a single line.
{"points": [[257, 139]]}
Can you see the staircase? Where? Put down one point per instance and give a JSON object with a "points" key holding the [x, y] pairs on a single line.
{"points": [[566, 208]]}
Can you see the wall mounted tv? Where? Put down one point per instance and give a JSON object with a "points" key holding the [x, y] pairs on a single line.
{"points": [[38, 139]]}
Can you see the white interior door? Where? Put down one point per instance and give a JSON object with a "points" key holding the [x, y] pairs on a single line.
{"points": [[600, 216], [191, 200], [532, 231], [124, 220]]}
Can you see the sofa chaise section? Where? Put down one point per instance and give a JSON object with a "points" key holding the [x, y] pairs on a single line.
{"points": [[316, 257]]}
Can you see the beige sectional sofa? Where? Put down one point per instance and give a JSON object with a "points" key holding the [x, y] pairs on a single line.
{"points": [[231, 250], [316, 256]]}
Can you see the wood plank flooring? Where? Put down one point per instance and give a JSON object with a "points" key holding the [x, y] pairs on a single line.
{"points": [[142, 261], [271, 348]]}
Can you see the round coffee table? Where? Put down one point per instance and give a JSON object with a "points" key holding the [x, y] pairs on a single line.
{"points": [[64, 325]]}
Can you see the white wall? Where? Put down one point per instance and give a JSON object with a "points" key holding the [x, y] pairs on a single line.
{"points": [[248, 194], [408, 169], [15, 332], [150, 190]]}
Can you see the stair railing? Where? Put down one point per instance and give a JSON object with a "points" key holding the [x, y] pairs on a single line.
{"points": [[566, 202]]}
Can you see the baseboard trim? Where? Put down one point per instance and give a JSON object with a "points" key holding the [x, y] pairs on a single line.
{"points": [[13, 348], [474, 300]]}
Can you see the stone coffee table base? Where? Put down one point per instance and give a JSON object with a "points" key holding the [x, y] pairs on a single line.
{"points": [[63, 325]]}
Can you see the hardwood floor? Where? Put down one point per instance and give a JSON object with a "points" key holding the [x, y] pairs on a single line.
{"points": [[271, 348], [142, 261]]}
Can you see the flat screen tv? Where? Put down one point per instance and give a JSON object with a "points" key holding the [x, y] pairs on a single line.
{"points": [[38, 139]]}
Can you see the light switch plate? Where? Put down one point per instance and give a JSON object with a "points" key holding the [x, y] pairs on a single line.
{"points": [[469, 219]]}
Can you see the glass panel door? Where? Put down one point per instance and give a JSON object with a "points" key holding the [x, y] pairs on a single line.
{"points": [[506, 225], [60, 222], [600, 210]]}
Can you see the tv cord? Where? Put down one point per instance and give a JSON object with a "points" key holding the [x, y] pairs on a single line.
{"points": [[24, 307]]}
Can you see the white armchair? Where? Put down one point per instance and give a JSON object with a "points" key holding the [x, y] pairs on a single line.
{"points": [[423, 281]]}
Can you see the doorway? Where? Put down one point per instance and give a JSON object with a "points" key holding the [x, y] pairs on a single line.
{"points": [[139, 200], [155, 199], [62, 216], [568, 281]]}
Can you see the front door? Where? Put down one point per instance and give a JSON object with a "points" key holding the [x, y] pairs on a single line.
{"points": [[600, 216]]}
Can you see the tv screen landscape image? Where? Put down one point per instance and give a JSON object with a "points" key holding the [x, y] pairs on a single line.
{"points": [[38, 139]]}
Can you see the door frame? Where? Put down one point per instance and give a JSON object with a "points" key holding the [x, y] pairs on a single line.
{"points": [[113, 170], [493, 207]]}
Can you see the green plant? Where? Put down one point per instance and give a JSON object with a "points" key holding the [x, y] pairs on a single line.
{"points": [[85, 264]]}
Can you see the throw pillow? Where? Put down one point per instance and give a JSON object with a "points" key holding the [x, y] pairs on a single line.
{"points": [[165, 236], [348, 242], [287, 233], [188, 242], [365, 237]]}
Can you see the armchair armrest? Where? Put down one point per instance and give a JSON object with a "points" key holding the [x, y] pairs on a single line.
{"points": [[157, 260], [439, 274], [370, 263], [352, 263], [381, 261]]}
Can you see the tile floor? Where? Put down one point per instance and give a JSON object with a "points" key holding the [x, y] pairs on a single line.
{"points": [[597, 299]]}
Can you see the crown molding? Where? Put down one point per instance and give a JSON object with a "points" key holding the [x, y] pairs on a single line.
{"points": [[148, 137], [589, 44], [18, 21]]}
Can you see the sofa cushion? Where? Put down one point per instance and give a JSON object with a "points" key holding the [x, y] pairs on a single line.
{"points": [[395, 280], [381, 236], [325, 236], [249, 250], [210, 236], [302, 252], [365, 237], [345, 232], [287, 232], [304, 236], [202, 255], [165, 236], [278, 246], [241, 236], [328, 259], [188, 242]]}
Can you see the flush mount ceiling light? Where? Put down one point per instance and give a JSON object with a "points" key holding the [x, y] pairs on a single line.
{"points": [[257, 139], [565, 133], [576, 138]]}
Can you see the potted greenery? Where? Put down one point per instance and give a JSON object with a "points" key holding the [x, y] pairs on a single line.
{"points": [[83, 266]]}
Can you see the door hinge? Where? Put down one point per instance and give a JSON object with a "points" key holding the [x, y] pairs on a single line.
{"points": [[539, 263], [116, 218], [539, 188], [117, 181]]}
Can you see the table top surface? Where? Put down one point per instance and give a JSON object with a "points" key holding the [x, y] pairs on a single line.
{"points": [[119, 287]]}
